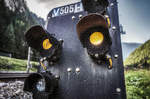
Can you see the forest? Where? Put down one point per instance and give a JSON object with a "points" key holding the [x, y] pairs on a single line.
{"points": [[15, 19]]}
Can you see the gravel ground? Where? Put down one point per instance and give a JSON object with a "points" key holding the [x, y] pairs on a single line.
{"points": [[13, 90]]}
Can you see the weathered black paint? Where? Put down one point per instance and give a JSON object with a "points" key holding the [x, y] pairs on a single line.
{"points": [[93, 81]]}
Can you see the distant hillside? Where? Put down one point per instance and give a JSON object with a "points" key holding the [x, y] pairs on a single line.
{"points": [[127, 48], [140, 57], [15, 19]]}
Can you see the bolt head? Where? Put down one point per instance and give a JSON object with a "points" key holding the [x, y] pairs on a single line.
{"points": [[51, 63], [96, 55], [80, 16], [106, 16], [57, 76], [116, 55], [44, 58], [118, 89], [77, 69], [48, 17], [69, 69], [73, 17], [112, 4], [113, 27], [108, 56]]}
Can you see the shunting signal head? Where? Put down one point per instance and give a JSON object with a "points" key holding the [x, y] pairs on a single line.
{"points": [[94, 34], [44, 42]]}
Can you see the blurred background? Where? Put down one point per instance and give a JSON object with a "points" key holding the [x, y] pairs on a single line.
{"points": [[16, 16]]}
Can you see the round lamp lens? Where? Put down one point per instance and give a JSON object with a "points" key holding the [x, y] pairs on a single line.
{"points": [[96, 38], [40, 85], [46, 44]]}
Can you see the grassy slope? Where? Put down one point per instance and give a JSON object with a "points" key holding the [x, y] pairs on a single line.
{"points": [[138, 84], [140, 57], [138, 81], [12, 64]]}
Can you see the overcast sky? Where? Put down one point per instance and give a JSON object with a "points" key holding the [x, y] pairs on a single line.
{"points": [[134, 16]]}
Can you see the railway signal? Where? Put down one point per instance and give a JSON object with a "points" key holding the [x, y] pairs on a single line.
{"points": [[90, 30], [41, 85], [45, 43], [93, 32]]}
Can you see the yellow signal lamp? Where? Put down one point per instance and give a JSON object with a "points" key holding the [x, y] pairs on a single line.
{"points": [[93, 34], [46, 44], [96, 38], [35, 36], [42, 41]]}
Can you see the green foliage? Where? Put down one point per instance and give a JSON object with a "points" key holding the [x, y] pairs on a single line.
{"points": [[15, 19], [140, 57], [138, 84], [12, 64]]}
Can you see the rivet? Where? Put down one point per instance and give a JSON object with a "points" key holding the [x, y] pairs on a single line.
{"points": [[113, 27], [69, 69], [48, 17], [44, 58], [112, 4], [60, 40], [41, 59], [54, 57], [73, 17], [57, 76], [51, 63], [108, 56], [118, 89], [77, 69], [116, 55], [99, 61], [80, 16], [96, 55], [106, 16], [109, 67]]}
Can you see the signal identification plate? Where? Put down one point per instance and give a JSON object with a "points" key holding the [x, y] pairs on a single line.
{"points": [[68, 9]]}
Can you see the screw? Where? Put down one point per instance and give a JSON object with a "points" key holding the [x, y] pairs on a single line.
{"points": [[118, 89], [69, 69], [77, 69]]}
